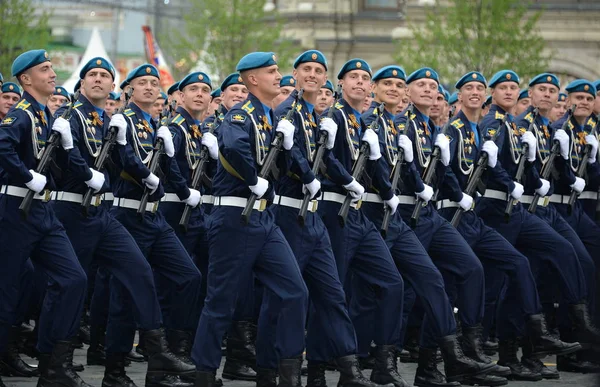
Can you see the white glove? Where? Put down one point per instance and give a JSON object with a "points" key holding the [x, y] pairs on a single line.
{"points": [[210, 141], [63, 127], [165, 134], [97, 180], [406, 145], [466, 202], [151, 182], [355, 190], [593, 141], [426, 194], [563, 139], [287, 129], [260, 187], [543, 190], [119, 122], [328, 125], [491, 149], [313, 187], [371, 138], [529, 139], [518, 191], [443, 143], [37, 182], [579, 185], [194, 199], [393, 203]]}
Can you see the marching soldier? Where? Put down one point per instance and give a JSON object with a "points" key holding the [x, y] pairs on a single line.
{"points": [[453, 101], [58, 99], [112, 103], [560, 108], [523, 102], [597, 102], [438, 112], [286, 86], [173, 94], [325, 98], [10, 94], [215, 101]]}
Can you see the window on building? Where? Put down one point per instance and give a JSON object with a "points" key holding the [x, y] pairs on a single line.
{"points": [[381, 4]]}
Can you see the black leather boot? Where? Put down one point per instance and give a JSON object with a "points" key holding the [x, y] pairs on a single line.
{"points": [[289, 372], [428, 374], [386, 367], [571, 363], [135, 357], [456, 364], [235, 369], [507, 356], [584, 330], [11, 363], [534, 364], [471, 345], [316, 375], [266, 377], [241, 340], [180, 343], [56, 368], [95, 352], [114, 373], [141, 347], [350, 373], [484, 380], [162, 363], [205, 379], [542, 343]]}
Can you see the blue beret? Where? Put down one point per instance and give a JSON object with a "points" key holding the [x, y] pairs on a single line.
{"points": [[545, 78], [173, 88], [1, 78], [77, 86], [581, 85], [141, 71], [59, 90], [287, 80], [216, 93], [123, 84], [596, 84], [28, 60], [523, 94], [163, 96], [487, 102], [328, 85], [453, 98], [10, 87], [311, 56], [472, 76], [446, 95], [390, 72], [424, 72], [232, 79], [443, 92], [195, 77], [562, 97], [354, 64], [97, 63], [256, 60], [504, 76], [114, 96]]}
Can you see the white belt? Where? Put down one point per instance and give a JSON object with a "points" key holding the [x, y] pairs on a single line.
{"points": [[494, 194], [339, 198], [134, 204], [588, 195], [528, 199], [447, 203], [171, 198], [234, 201], [372, 198], [77, 198], [295, 203], [21, 192], [405, 199], [208, 199], [560, 199], [109, 196]]}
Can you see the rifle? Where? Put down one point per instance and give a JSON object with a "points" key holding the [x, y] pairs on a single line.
{"points": [[387, 211], [269, 162], [318, 160], [158, 151], [435, 157], [582, 167], [199, 173], [109, 143], [547, 168], [51, 145], [475, 177], [359, 166], [520, 168]]}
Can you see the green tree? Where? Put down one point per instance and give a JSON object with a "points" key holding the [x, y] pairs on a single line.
{"points": [[219, 33], [21, 30], [476, 35]]}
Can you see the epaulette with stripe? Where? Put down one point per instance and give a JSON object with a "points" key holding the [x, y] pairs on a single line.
{"points": [[298, 107], [248, 108], [129, 112], [339, 106], [23, 105], [570, 124], [529, 117], [178, 119], [77, 104], [499, 116], [457, 123]]}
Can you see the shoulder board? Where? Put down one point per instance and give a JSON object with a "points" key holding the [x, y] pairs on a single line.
{"points": [[298, 107], [248, 108], [401, 126], [77, 104], [23, 105], [491, 132], [457, 123], [209, 124], [499, 116], [129, 112], [339, 106], [8, 121], [570, 124], [238, 117], [591, 121], [177, 120], [529, 117]]}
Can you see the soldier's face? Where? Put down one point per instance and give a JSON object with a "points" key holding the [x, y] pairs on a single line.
{"points": [[285, 92], [324, 100], [111, 106], [436, 109], [196, 97], [505, 95], [584, 102], [158, 107], [40, 78], [146, 90], [472, 95], [423, 92], [266, 80], [97, 84], [355, 85], [56, 101], [558, 110], [310, 76], [522, 105], [7, 100], [402, 104], [233, 95], [597, 103], [390, 90], [544, 96], [367, 102]]}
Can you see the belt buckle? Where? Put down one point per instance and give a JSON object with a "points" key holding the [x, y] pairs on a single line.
{"points": [[546, 201], [262, 205], [47, 195], [97, 200], [314, 205], [358, 204], [155, 207]]}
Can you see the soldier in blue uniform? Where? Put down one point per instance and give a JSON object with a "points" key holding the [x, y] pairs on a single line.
{"points": [[287, 85], [23, 135], [560, 108], [112, 103], [58, 99], [523, 102], [325, 98], [259, 246], [10, 94]]}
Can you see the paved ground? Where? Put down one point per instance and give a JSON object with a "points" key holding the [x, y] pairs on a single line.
{"points": [[93, 375]]}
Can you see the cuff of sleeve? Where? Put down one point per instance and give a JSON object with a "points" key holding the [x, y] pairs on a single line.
{"points": [[88, 175], [183, 193], [308, 177], [252, 181], [386, 195]]}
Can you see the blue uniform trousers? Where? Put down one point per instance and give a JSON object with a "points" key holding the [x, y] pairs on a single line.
{"points": [[43, 239], [360, 251], [236, 250], [167, 257], [100, 303]]}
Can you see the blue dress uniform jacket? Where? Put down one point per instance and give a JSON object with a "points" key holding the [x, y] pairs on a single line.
{"points": [[23, 135]]}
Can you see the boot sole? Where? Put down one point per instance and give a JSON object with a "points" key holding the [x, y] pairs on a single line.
{"points": [[419, 384], [524, 379], [228, 376], [565, 351], [458, 378], [7, 370], [490, 384]]}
